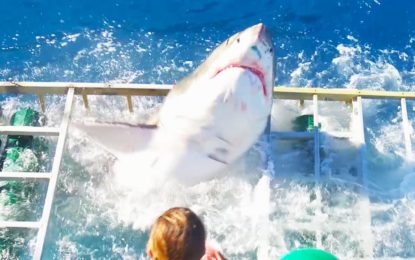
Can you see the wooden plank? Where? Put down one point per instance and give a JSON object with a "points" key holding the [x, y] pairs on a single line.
{"points": [[336, 94], [280, 92], [55, 172], [130, 103], [60, 88], [24, 175], [41, 99], [86, 103], [29, 130]]}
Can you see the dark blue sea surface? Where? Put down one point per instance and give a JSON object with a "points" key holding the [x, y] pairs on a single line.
{"points": [[83, 40]]}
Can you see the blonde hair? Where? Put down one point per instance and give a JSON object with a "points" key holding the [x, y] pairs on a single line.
{"points": [[178, 234]]}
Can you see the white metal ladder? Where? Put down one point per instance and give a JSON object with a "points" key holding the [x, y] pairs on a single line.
{"points": [[52, 176], [359, 134], [314, 135]]}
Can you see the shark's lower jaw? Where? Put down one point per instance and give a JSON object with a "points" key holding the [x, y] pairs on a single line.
{"points": [[255, 71]]}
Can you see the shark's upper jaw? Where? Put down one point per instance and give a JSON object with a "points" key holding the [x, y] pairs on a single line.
{"points": [[256, 71], [250, 50]]}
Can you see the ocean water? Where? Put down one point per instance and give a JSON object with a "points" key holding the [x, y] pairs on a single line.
{"points": [[366, 44]]}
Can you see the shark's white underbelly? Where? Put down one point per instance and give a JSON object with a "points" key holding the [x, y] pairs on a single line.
{"points": [[196, 145]]}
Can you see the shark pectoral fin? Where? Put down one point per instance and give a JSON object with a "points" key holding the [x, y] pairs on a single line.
{"points": [[118, 138]]}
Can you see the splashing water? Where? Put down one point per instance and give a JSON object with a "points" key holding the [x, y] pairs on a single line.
{"points": [[248, 214]]}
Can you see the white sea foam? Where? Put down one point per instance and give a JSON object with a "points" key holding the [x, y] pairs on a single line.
{"points": [[246, 214], [352, 63]]}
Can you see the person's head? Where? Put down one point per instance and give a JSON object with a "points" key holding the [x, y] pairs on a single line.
{"points": [[178, 234]]}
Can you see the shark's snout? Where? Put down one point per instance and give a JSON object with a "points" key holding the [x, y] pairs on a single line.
{"points": [[257, 28], [265, 36], [262, 33]]}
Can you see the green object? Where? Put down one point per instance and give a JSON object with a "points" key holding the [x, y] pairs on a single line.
{"points": [[308, 254], [19, 159], [23, 117], [304, 123], [18, 155]]}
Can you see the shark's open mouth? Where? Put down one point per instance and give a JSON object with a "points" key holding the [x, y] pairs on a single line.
{"points": [[255, 71]]}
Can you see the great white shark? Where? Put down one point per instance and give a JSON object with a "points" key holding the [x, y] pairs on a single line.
{"points": [[207, 121]]}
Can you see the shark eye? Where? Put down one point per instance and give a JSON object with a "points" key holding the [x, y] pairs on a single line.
{"points": [[270, 49], [238, 40]]}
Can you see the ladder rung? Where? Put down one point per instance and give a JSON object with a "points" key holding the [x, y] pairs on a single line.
{"points": [[308, 135], [19, 224], [315, 226], [292, 135], [25, 175], [29, 130], [339, 134]]}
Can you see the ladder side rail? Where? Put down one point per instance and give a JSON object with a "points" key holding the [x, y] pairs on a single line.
{"points": [[55, 172], [317, 168], [316, 139], [406, 129], [292, 135], [266, 154], [360, 138], [365, 202]]}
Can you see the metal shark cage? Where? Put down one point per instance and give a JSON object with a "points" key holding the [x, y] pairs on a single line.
{"points": [[40, 89]]}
